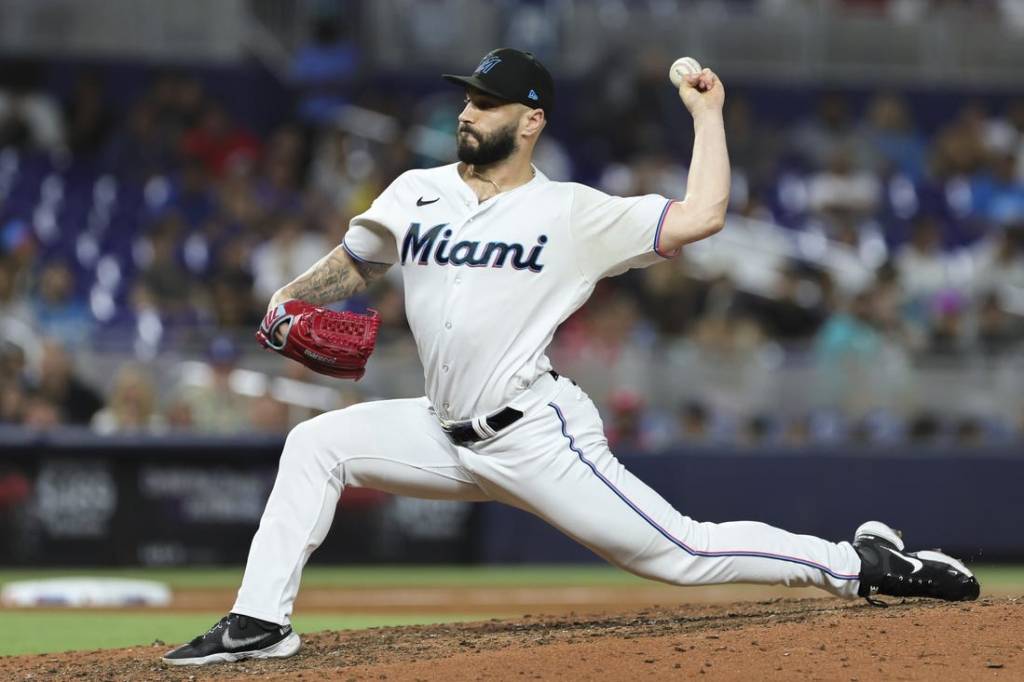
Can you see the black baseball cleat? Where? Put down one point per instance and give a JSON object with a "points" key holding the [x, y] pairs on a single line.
{"points": [[234, 638], [887, 569]]}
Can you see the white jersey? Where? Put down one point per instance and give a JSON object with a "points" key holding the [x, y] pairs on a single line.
{"points": [[487, 284]]}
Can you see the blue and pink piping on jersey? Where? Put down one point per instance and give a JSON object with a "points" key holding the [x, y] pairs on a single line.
{"points": [[360, 259], [657, 232], [676, 541]]}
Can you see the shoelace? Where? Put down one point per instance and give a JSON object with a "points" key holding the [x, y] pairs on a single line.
{"points": [[223, 622]]}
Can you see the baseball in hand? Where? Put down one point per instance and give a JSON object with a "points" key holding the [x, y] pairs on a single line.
{"points": [[682, 67]]}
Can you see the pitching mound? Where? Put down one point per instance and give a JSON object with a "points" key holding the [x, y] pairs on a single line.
{"points": [[774, 640]]}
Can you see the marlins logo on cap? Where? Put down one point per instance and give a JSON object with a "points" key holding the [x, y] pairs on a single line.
{"points": [[487, 63], [514, 76]]}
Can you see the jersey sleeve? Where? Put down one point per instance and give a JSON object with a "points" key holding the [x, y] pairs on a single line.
{"points": [[371, 234], [613, 234]]}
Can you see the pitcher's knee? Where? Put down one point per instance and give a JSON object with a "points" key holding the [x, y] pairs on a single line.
{"points": [[311, 440]]}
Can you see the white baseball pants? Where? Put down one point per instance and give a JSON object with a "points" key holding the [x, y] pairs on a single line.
{"points": [[554, 462]]}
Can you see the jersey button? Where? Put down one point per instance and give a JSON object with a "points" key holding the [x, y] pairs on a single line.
{"points": [[447, 325], [446, 406], [458, 280], [444, 368]]}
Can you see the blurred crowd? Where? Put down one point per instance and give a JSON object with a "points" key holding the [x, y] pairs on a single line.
{"points": [[163, 222]]}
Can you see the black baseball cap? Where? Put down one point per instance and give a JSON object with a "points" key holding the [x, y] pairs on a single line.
{"points": [[512, 75]]}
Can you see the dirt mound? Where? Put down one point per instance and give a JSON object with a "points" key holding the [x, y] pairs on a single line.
{"points": [[778, 639]]}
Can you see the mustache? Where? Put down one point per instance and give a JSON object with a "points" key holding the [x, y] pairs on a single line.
{"points": [[466, 129]]}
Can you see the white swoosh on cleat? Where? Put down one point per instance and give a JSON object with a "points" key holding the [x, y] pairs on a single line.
{"points": [[232, 644], [916, 563]]}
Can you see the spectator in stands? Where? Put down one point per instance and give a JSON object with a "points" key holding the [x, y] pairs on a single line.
{"points": [[330, 173], [178, 102], [969, 432], [797, 431], [288, 253], [238, 202], [88, 119], [268, 415], [921, 264], [220, 143], [959, 148], [324, 70], [12, 389], [850, 336], [13, 304], [601, 333], [136, 148], [997, 195], [830, 131], [999, 262], [894, 141], [177, 415], [213, 405], [694, 422], [163, 276], [998, 331], [131, 406], [925, 428], [625, 428], [1015, 117], [667, 296], [55, 383], [753, 150], [56, 310], [278, 188], [12, 403], [40, 413], [948, 336], [232, 294], [841, 192], [30, 118], [194, 199], [796, 307], [756, 430]]}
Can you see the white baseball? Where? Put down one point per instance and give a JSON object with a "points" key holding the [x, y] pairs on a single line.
{"points": [[682, 67]]}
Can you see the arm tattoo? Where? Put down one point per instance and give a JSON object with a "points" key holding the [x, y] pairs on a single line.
{"points": [[370, 272], [334, 277]]}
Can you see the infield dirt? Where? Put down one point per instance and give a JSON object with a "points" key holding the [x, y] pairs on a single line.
{"points": [[782, 639]]}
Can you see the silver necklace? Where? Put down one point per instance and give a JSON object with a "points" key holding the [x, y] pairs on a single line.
{"points": [[493, 183], [498, 189]]}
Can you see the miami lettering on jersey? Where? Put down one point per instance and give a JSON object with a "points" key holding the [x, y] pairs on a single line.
{"points": [[434, 245]]}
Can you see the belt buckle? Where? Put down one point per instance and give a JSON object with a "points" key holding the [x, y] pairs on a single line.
{"points": [[449, 428]]}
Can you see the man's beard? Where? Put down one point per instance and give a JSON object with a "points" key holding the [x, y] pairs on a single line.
{"points": [[497, 147]]}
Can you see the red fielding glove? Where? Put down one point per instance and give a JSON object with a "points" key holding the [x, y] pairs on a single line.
{"points": [[328, 342]]}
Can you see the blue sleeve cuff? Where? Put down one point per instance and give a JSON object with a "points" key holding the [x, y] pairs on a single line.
{"points": [[358, 258], [657, 232]]}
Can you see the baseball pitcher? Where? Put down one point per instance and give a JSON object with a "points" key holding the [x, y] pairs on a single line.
{"points": [[495, 256]]}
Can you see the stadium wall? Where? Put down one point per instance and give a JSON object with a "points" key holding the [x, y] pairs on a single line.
{"points": [[81, 500]]}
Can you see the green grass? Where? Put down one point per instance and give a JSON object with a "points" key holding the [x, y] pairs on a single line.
{"points": [[1002, 578], [1005, 577], [34, 632], [368, 576], [25, 632]]}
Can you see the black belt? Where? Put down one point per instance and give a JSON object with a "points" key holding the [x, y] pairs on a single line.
{"points": [[463, 432]]}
